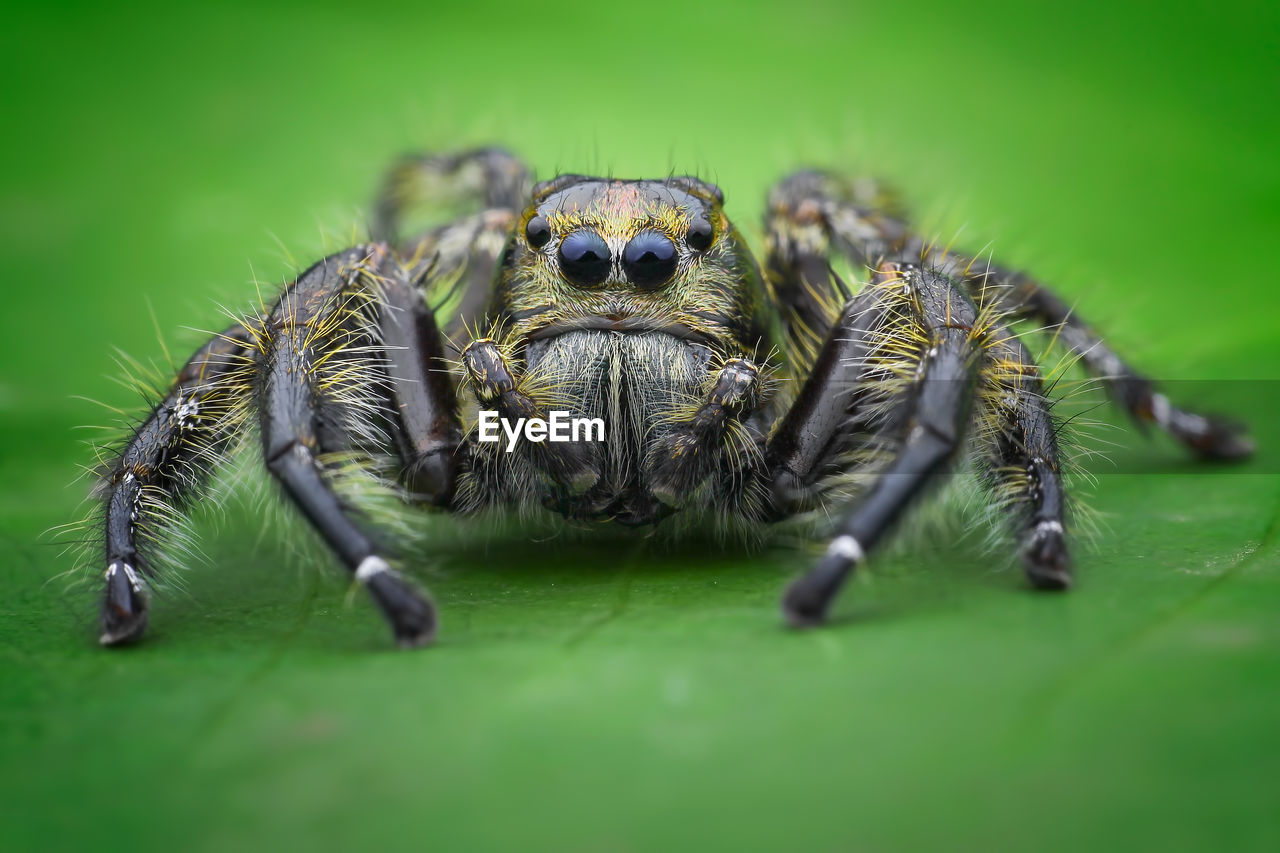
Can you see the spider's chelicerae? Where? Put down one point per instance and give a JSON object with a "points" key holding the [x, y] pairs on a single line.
{"points": [[727, 390]]}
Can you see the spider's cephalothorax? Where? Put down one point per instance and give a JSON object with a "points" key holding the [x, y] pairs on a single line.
{"points": [[618, 300], [723, 391]]}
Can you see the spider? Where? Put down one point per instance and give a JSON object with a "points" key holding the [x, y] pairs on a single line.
{"points": [[728, 390]]}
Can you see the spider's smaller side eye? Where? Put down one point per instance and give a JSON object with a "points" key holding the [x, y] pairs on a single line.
{"points": [[537, 232], [700, 234]]}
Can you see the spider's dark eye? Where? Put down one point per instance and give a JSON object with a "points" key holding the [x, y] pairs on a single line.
{"points": [[649, 259], [699, 236], [584, 258], [537, 232]]}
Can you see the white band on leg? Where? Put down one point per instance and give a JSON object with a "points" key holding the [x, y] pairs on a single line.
{"points": [[847, 547], [369, 567]]}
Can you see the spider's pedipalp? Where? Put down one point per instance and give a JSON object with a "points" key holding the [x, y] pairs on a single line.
{"points": [[702, 438], [569, 464]]}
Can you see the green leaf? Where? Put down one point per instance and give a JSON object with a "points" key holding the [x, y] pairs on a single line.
{"points": [[613, 695]]}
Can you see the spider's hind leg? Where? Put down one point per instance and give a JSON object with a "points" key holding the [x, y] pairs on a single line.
{"points": [[420, 393], [479, 195], [811, 217], [466, 181], [1207, 436]]}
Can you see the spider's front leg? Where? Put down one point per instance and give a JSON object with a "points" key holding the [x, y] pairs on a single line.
{"points": [[421, 395], [811, 436], [348, 358], [937, 408], [317, 362]]}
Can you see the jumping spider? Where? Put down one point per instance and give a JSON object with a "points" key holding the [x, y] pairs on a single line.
{"points": [[728, 390]]}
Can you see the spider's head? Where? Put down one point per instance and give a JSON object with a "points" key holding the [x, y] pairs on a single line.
{"points": [[629, 255]]}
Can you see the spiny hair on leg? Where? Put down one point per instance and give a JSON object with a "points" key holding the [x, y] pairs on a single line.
{"points": [[221, 457], [194, 415], [891, 370], [1012, 388], [871, 433], [368, 485]]}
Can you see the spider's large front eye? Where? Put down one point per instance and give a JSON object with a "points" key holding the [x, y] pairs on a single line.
{"points": [[649, 259], [584, 258], [537, 232]]}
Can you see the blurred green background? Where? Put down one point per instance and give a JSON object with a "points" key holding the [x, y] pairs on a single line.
{"points": [[607, 697]]}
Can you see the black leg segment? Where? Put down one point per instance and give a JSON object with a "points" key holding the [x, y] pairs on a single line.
{"points": [[423, 401], [810, 436]]}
